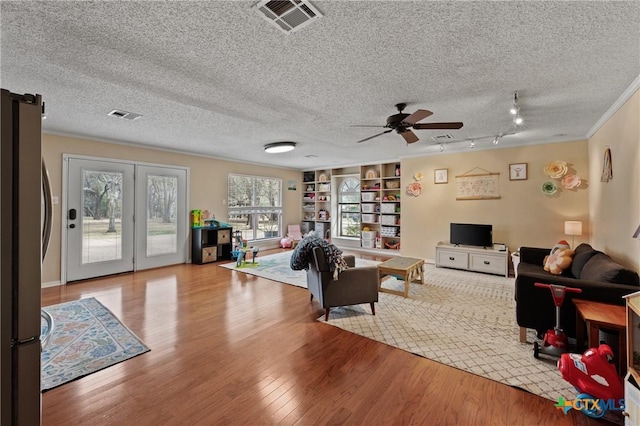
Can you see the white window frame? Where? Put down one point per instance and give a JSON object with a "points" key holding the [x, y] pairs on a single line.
{"points": [[254, 210]]}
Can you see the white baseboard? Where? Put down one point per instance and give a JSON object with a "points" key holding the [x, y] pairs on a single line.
{"points": [[50, 284]]}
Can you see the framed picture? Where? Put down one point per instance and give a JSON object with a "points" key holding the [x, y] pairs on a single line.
{"points": [[441, 176], [518, 171]]}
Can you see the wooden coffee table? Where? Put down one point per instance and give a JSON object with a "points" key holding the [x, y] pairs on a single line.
{"points": [[602, 315], [410, 269]]}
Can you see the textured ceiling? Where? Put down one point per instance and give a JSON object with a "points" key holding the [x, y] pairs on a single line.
{"points": [[215, 78]]}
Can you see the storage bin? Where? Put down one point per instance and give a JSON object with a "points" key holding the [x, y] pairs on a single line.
{"points": [[369, 218], [368, 235], [368, 243], [367, 208], [388, 231], [392, 184], [388, 208], [369, 196], [386, 219]]}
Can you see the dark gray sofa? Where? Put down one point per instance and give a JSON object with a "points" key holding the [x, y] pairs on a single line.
{"points": [[600, 278]]}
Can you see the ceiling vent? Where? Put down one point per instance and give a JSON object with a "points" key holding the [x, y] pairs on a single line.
{"points": [[118, 113], [442, 138], [288, 15]]}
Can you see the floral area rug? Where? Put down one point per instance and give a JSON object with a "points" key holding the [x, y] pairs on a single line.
{"points": [[276, 267], [462, 319], [86, 338]]}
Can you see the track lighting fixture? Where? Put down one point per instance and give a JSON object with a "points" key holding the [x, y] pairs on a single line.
{"points": [[441, 147], [518, 120], [472, 144], [496, 140], [515, 111]]}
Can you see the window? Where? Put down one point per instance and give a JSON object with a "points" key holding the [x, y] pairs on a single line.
{"points": [[255, 206], [349, 207]]}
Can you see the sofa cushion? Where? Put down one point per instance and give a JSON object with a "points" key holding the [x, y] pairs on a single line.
{"points": [[581, 256], [602, 268]]}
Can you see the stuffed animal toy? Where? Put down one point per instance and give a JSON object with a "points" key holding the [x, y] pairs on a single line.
{"points": [[560, 258]]}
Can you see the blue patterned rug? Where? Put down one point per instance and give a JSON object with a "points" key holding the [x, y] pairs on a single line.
{"points": [[86, 338], [276, 267]]}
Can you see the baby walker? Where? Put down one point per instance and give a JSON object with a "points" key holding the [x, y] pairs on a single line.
{"points": [[555, 341], [594, 375]]}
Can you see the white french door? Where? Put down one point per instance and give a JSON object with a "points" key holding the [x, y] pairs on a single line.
{"points": [[122, 217], [161, 222], [99, 218]]}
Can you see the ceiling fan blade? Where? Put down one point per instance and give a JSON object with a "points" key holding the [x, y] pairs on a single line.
{"points": [[364, 125], [427, 126], [375, 136], [409, 136], [417, 116]]}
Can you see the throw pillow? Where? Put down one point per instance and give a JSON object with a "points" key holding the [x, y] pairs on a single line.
{"points": [[581, 256], [559, 259]]}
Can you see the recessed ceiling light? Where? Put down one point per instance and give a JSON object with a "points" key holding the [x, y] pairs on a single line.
{"points": [[277, 147]]}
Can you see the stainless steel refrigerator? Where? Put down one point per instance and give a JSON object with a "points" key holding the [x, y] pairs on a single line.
{"points": [[21, 253]]}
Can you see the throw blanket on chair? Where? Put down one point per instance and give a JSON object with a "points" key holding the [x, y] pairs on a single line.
{"points": [[302, 255]]}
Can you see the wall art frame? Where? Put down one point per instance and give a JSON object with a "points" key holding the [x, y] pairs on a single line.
{"points": [[441, 176], [518, 171]]}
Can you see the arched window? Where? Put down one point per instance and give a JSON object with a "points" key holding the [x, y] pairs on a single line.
{"points": [[349, 207]]}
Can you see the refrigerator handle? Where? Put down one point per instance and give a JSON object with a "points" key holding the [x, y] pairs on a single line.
{"points": [[48, 210]]}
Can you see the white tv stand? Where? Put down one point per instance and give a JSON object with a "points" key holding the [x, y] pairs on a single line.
{"points": [[470, 258]]}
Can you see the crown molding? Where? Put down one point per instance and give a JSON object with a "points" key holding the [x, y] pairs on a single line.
{"points": [[633, 88]]}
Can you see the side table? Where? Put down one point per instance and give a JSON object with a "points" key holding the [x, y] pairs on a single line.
{"points": [[602, 315]]}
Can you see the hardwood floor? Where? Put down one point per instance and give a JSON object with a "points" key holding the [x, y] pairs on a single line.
{"points": [[231, 348]]}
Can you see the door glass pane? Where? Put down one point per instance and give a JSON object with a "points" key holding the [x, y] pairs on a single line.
{"points": [[101, 216], [162, 224]]}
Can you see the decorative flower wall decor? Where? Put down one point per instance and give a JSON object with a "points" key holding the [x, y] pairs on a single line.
{"points": [[415, 188], [556, 169], [560, 170]]}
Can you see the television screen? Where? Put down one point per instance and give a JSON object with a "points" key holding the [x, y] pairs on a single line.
{"points": [[468, 234]]}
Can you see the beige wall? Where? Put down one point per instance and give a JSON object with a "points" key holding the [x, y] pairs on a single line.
{"points": [[523, 216], [208, 182], [614, 206]]}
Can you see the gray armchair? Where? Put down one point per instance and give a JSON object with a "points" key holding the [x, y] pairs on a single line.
{"points": [[353, 286]]}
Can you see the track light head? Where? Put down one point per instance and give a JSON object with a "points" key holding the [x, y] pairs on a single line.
{"points": [[496, 140], [518, 120]]}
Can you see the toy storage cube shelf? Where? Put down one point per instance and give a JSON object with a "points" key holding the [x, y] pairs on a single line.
{"points": [[209, 244]]}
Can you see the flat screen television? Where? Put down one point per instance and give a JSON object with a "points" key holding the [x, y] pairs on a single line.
{"points": [[469, 234]]}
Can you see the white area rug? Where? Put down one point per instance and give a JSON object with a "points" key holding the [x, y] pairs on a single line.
{"points": [[462, 319], [276, 267]]}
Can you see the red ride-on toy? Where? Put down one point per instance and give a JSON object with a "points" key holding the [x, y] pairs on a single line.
{"points": [[555, 341], [594, 375]]}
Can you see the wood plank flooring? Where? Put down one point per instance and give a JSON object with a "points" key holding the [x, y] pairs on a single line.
{"points": [[229, 348]]}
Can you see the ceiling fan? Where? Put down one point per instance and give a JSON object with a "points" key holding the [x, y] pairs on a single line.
{"points": [[403, 123]]}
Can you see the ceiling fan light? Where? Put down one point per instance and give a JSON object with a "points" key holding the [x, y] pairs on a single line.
{"points": [[279, 147]]}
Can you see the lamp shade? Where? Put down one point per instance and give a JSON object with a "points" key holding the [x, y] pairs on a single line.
{"points": [[277, 147], [572, 227]]}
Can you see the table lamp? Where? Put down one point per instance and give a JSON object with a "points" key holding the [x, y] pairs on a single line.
{"points": [[573, 228]]}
